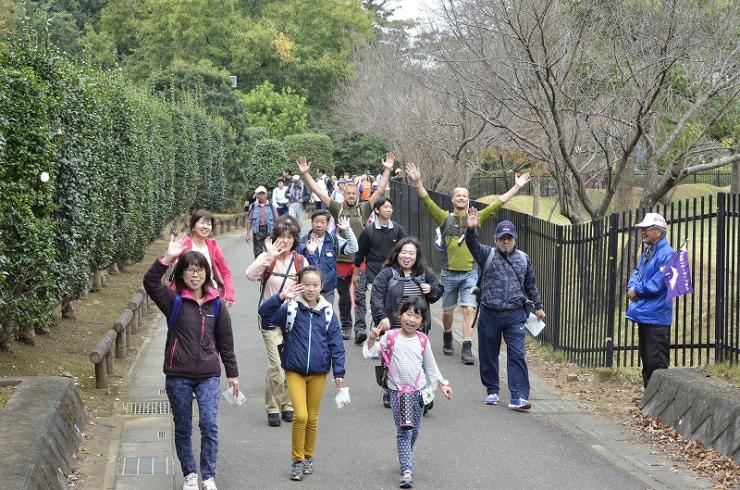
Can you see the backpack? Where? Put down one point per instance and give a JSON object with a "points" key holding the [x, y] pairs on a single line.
{"points": [[177, 306], [293, 310], [442, 231], [382, 371]]}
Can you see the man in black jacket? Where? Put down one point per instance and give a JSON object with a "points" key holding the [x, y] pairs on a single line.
{"points": [[375, 245]]}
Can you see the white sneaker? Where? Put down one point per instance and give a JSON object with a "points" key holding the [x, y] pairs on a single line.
{"points": [[191, 482], [209, 484]]}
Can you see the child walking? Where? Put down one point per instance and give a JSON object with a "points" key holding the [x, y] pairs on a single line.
{"points": [[312, 346], [409, 358]]}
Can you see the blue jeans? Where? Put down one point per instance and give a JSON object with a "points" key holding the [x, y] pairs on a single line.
{"points": [[180, 392], [406, 438], [458, 283], [492, 325]]}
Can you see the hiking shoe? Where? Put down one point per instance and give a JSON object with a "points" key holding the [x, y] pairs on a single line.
{"points": [[428, 407], [209, 484], [386, 399], [308, 466], [447, 348], [519, 404], [296, 471], [407, 479], [467, 353], [191, 482], [360, 336], [346, 332], [491, 399], [273, 419], [288, 415]]}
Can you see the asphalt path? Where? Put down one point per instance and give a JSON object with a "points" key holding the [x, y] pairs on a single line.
{"points": [[463, 443]]}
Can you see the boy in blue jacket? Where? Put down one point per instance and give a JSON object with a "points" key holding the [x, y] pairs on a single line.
{"points": [[312, 346], [647, 291]]}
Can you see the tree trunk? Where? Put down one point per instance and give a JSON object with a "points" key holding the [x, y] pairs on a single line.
{"points": [[623, 195], [113, 269], [68, 310], [97, 283], [735, 184], [536, 193]]}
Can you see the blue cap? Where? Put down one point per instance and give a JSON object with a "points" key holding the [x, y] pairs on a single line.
{"points": [[505, 227]]}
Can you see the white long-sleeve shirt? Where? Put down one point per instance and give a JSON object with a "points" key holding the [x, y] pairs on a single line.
{"points": [[408, 362]]}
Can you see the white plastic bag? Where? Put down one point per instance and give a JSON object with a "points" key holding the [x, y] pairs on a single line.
{"points": [[342, 397], [235, 401], [534, 325], [427, 394]]}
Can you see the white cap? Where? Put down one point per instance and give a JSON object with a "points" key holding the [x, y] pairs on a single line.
{"points": [[260, 188], [652, 219], [296, 177]]}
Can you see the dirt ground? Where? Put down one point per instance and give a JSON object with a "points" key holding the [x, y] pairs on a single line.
{"points": [[613, 399], [64, 352]]}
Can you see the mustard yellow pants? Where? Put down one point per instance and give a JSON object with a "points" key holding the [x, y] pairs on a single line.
{"points": [[305, 393]]}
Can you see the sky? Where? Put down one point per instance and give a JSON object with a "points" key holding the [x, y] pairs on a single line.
{"points": [[409, 9]]}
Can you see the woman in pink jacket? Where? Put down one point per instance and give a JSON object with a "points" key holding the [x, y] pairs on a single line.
{"points": [[201, 226]]}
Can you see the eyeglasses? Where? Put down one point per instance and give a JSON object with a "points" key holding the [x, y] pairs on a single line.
{"points": [[195, 272]]}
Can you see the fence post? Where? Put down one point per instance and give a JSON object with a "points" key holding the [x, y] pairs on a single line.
{"points": [[719, 311], [611, 287], [558, 280]]}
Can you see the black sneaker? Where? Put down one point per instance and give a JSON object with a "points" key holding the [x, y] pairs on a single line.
{"points": [[428, 407], [296, 471], [386, 399], [288, 415], [467, 353], [360, 336], [407, 479], [346, 333], [447, 348], [273, 419]]}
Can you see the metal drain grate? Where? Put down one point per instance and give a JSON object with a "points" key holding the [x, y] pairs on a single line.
{"points": [[147, 465], [557, 406], [157, 407]]}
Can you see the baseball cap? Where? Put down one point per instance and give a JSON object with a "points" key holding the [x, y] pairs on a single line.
{"points": [[505, 227], [296, 177], [260, 188], [652, 219]]}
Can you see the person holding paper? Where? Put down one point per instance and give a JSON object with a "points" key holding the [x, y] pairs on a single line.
{"points": [[508, 291], [647, 291]]}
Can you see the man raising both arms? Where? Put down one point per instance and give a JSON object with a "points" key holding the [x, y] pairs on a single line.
{"points": [[459, 274], [358, 214]]}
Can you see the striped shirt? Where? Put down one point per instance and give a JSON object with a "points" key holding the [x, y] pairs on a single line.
{"points": [[408, 362], [410, 289]]}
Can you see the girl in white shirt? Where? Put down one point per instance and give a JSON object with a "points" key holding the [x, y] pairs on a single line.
{"points": [[410, 362]]}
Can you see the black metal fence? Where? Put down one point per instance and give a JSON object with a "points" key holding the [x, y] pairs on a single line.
{"points": [[582, 272], [485, 185]]}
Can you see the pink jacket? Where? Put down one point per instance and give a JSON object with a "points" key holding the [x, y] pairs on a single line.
{"points": [[221, 272]]}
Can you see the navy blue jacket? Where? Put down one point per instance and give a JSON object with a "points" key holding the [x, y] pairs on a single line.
{"points": [[501, 286], [311, 346], [327, 260], [651, 307]]}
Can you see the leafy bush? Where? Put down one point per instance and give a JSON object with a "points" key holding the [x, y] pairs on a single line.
{"points": [[282, 113], [267, 163], [317, 147]]}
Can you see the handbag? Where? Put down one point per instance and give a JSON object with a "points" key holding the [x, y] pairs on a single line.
{"points": [[381, 375]]}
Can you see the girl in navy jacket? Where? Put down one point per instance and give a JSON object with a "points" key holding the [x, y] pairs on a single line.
{"points": [[312, 346]]}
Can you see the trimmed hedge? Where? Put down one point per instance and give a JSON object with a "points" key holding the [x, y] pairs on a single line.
{"points": [[317, 147], [122, 163]]}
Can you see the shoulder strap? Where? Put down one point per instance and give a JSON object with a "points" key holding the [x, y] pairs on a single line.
{"points": [[176, 307], [423, 339], [290, 319], [217, 312], [521, 281], [328, 314], [298, 263], [487, 265]]}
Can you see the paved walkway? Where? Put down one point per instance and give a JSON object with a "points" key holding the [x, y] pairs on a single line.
{"points": [[463, 444]]}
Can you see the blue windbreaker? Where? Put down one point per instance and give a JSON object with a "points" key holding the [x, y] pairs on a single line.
{"points": [[311, 346], [651, 307]]}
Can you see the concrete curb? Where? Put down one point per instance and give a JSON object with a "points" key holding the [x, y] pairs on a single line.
{"points": [[42, 429], [698, 406]]}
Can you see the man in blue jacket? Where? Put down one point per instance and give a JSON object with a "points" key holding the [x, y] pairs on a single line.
{"points": [[647, 291]]}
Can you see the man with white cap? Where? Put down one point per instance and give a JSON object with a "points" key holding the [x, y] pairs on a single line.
{"points": [[298, 194], [647, 291], [261, 218]]}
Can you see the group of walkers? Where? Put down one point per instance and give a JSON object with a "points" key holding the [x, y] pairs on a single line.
{"points": [[353, 245]]}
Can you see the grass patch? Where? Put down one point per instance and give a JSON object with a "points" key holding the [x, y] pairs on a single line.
{"points": [[724, 370], [6, 391]]}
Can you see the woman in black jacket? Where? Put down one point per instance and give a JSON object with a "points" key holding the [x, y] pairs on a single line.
{"points": [[403, 276], [199, 339]]}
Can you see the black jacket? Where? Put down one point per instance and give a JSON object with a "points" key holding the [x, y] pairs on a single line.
{"points": [[375, 246], [387, 292], [194, 344]]}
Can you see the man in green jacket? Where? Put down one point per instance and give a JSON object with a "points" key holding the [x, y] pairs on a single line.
{"points": [[459, 274]]}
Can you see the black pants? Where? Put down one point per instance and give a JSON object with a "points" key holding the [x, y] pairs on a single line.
{"points": [[653, 344], [345, 302], [258, 238]]}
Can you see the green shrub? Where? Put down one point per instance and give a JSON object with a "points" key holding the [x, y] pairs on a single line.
{"points": [[316, 147], [267, 163]]}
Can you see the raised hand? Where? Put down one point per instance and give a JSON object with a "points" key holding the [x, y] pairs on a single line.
{"points": [[472, 218], [413, 172], [303, 165], [522, 180], [269, 247], [175, 247], [290, 292], [343, 224], [280, 247], [390, 159], [313, 244], [384, 325]]}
